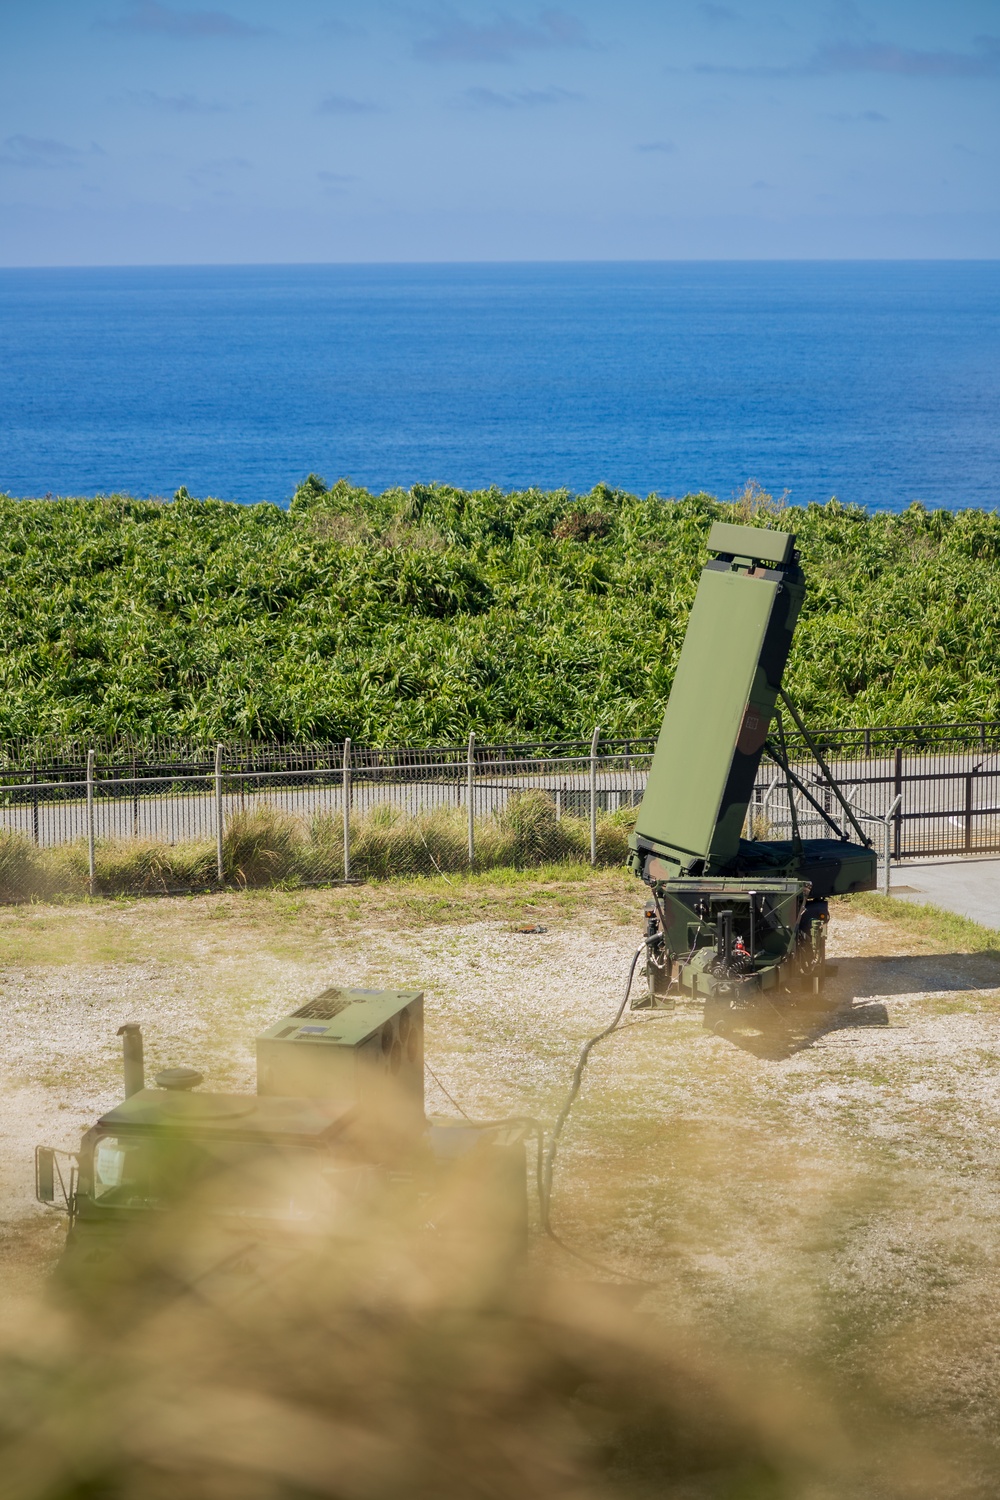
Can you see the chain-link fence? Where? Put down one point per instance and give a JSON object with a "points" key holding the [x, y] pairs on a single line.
{"points": [[174, 817], [255, 815]]}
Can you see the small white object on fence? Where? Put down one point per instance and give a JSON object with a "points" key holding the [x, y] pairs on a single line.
{"points": [[347, 808], [593, 795], [470, 796], [90, 822], [220, 816]]}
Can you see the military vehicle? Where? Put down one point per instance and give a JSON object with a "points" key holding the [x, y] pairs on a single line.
{"points": [[337, 1120], [731, 918]]}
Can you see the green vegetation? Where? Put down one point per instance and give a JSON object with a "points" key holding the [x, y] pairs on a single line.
{"points": [[414, 616], [927, 921], [263, 847]]}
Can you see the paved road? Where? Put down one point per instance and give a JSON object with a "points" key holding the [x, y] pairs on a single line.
{"points": [[970, 887], [192, 816]]}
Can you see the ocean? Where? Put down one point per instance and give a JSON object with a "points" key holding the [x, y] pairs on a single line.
{"points": [[877, 382]]}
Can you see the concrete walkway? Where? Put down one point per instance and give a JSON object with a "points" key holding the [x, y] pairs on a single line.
{"points": [[970, 887]]}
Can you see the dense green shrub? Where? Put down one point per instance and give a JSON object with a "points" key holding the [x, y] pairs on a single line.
{"points": [[415, 616]]}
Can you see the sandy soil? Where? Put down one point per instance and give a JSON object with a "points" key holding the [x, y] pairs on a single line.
{"points": [[820, 1181]]}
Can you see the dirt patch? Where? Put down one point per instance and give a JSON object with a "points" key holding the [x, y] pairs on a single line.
{"points": [[821, 1180]]}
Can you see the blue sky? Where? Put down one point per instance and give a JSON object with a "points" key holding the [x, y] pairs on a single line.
{"points": [[156, 131]]}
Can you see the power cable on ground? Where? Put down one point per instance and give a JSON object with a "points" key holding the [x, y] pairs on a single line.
{"points": [[545, 1156]]}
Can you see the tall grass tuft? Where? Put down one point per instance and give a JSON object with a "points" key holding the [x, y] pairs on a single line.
{"points": [[261, 846], [25, 873], [264, 846], [387, 1338]]}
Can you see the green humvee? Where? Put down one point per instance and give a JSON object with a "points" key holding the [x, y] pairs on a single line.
{"points": [[261, 1173]]}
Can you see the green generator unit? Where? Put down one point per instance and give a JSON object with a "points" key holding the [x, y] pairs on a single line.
{"points": [[730, 917], [348, 1045]]}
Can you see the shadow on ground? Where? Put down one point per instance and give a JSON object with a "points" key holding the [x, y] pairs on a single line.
{"points": [[855, 997], [913, 974]]}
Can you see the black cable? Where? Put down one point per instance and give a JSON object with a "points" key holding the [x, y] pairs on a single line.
{"points": [[546, 1197], [574, 1087], [545, 1159], [445, 1092]]}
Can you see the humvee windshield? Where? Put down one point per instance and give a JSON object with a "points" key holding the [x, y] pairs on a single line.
{"points": [[254, 1179]]}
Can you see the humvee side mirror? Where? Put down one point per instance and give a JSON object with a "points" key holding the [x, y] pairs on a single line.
{"points": [[45, 1174]]}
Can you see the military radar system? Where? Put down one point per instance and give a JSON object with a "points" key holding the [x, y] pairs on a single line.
{"points": [[733, 918]]}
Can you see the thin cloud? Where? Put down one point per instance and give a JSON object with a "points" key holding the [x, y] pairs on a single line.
{"points": [[343, 104], [477, 98], [41, 153], [334, 26], [151, 18], [452, 39], [864, 116], [336, 184], [649, 147], [879, 57], [175, 104], [714, 12], [883, 57], [218, 170]]}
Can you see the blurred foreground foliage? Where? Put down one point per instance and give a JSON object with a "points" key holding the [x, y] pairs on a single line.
{"points": [[390, 1339], [415, 616]]}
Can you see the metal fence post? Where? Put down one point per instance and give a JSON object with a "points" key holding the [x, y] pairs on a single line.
{"points": [[90, 823], [220, 817], [897, 786], [887, 843], [886, 856], [34, 803], [593, 795], [470, 772], [347, 808]]}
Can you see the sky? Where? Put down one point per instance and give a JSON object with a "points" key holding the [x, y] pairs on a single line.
{"points": [[160, 132]]}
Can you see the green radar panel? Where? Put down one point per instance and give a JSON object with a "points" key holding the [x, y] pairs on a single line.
{"points": [[728, 677]]}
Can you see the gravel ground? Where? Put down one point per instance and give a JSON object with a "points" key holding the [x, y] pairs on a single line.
{"points": [[823, 1180]]}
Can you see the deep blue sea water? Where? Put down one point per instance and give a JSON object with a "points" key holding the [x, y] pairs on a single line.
{"points": [[877, 382]]}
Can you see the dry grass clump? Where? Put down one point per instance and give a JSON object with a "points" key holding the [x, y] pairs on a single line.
{"points": [[754, 504], [25, 872], [147, 866], [527, 833], [582, 526], [263, 846]]}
